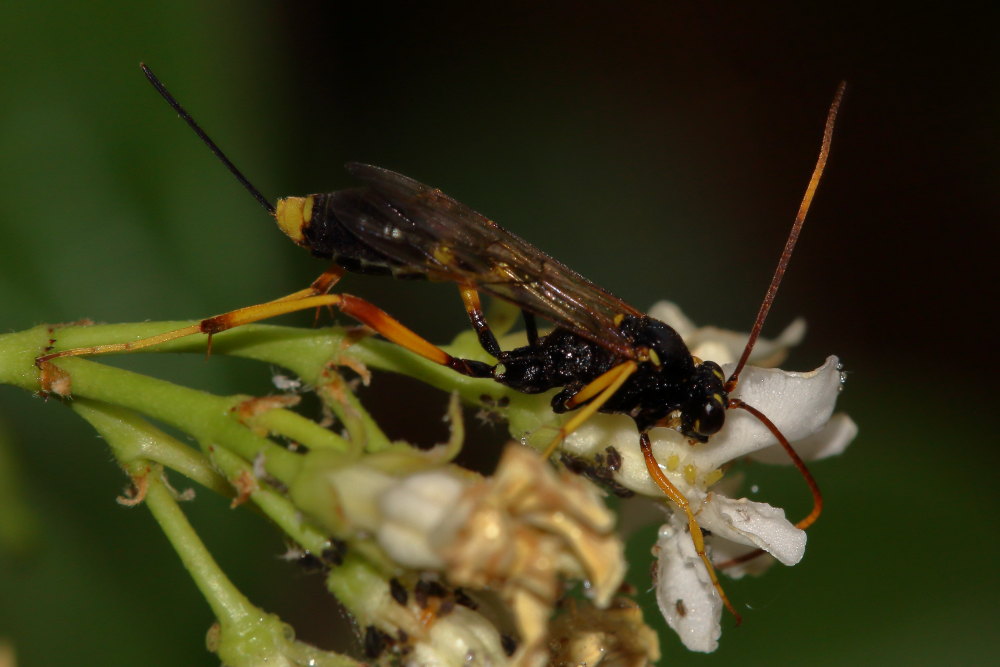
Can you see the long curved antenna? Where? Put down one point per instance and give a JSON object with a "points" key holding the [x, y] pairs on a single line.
{"points": [[176, 106], [793, 237], [817, 509]]}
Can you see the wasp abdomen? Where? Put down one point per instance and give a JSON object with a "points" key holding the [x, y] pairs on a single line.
{"points": [[311, 223]]}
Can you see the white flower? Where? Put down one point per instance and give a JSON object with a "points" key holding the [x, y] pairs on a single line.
{"points": [[462, 637], [411, 509], [800, 405], [518, 533], [517, 536], [408, 627], [684, 591]]}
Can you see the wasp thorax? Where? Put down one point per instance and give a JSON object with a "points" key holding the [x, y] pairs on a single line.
{"points": [[293, 215], [663, 346]]}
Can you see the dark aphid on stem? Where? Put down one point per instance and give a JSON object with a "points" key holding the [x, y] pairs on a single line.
{"points": [[603, 354]]}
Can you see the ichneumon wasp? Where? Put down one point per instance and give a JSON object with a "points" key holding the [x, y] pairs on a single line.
{"points": [[603, 354]]}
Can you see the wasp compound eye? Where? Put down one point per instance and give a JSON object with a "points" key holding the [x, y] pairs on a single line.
{"points": [[711, 416]]}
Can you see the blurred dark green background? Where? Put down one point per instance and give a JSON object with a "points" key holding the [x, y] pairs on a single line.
{"points": [[660, 149]]}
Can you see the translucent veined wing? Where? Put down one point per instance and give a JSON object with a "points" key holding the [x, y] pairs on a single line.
{"points": [[426, 230]]}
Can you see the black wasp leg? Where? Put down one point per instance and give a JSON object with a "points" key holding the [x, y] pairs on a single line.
{"points": [[530, 327], [470, 298]]}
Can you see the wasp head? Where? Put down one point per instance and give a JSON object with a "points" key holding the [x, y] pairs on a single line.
{"points": [[672, 388], [704, 413]]}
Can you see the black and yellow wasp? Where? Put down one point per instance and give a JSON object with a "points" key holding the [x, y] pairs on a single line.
{"points": [[603, 355]]}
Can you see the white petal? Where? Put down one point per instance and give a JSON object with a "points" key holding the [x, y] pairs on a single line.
{"points": [[830, 441], [723, 346], [619, 431], [724, 550], [799, 404], [776, 348], [754, 524], [410, 509], [463, 637], [671, 314], [684, 592], [602, 431]]}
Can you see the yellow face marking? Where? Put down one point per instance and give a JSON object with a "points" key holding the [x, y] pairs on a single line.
{"points": [[718, 373], [717, 398], [619, 318], [655, 358]]}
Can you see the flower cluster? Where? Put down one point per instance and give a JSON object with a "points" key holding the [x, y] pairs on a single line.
{"points": [[439, 565], [800, 404], [521, 534]]}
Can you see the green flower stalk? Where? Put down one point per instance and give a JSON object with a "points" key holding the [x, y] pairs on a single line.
{"points": [[436, 564]]}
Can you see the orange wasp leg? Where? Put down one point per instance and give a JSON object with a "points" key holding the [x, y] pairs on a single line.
{"points": [[321, 285], [212, 325], [390, 328], [313, 296], [359, 309], [603, 387], [678, 499]]}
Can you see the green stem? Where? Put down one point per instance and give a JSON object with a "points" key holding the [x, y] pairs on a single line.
{"points": [[361, 428], [288, 517], [207, 417], [226, 601], [246, 636], [132, 438], [303, 351], [299, 429]]}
